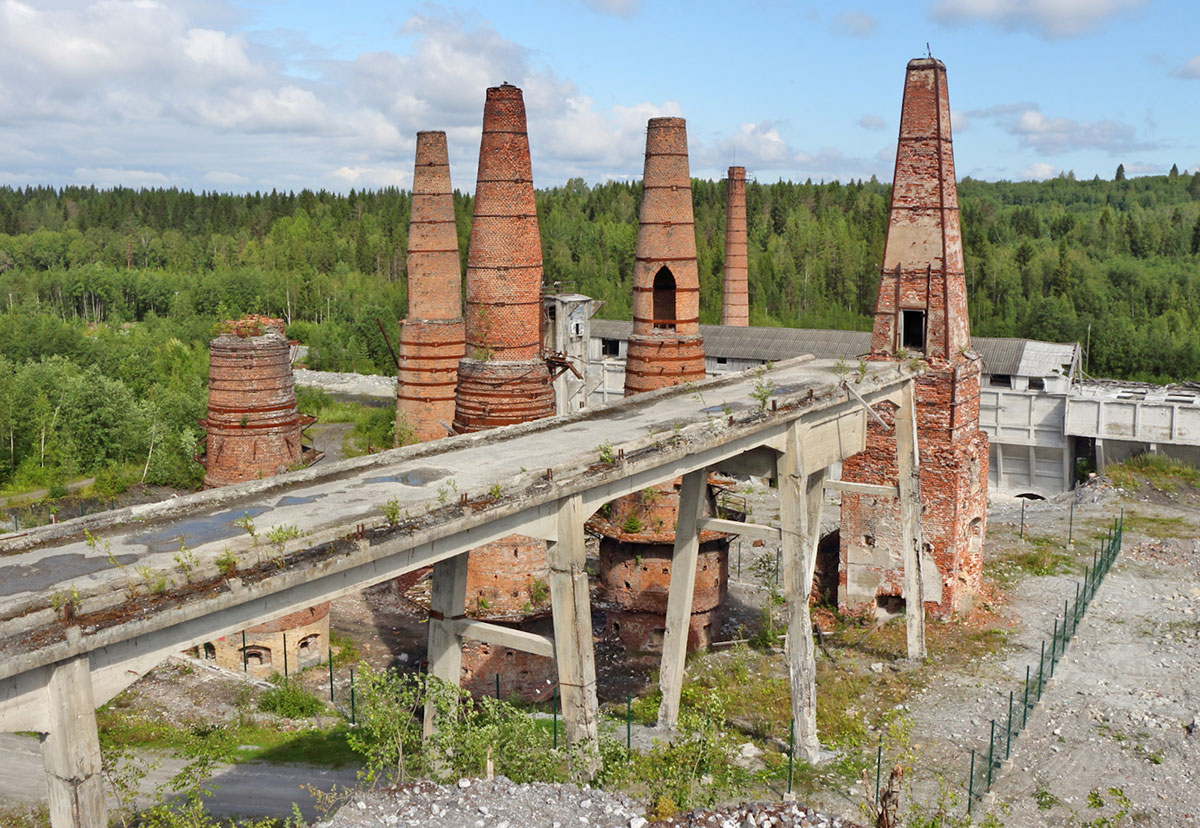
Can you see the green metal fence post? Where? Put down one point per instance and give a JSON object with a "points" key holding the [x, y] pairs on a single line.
{"points": [[1066, 635], [971, 783], [878, 766], [1008, 730], [554, 711], [1071, 524], [629, 724], [791, 751], [1054, 647], [991, 747], [245, 664], [1025, 703], [1041, 668], [353, 717], [285, 664], [331, 675]]}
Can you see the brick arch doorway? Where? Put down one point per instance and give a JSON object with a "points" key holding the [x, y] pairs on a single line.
{"points": [[664, 299]]}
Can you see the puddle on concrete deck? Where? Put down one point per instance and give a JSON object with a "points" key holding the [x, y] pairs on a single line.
{"points": [[197, 531], [293, 500], [42, 575], [410, 477]]}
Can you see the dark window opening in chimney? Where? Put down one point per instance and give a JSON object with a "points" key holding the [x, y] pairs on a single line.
{"points": [[664, 299], [912, 330]]}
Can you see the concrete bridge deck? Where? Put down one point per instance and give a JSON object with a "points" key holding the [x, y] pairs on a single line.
{"points": [[83, 603]]}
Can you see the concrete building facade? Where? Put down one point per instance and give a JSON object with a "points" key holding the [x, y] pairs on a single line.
{"points": [[921, 312], [432, 337]]}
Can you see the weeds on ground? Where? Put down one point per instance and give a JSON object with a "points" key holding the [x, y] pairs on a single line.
{"points": [[18, 815], [289, 699], [1156, 470]]}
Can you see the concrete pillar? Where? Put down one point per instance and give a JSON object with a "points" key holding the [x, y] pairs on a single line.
{"points": [[447, 603], [71, 750], [573, 650], [679, 597], [908, 465], [800, 498]]}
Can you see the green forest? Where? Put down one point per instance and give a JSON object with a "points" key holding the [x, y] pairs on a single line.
{"points": [[108, 297]]}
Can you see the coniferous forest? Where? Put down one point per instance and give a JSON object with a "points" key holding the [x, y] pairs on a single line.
{"points": [[108, 297]]}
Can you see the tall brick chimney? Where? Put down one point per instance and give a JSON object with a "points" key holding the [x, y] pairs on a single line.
{"points": [[637, 534], [253, 426], [503, 379], [921, 312], [432, 337], [735, 294], [665, 347]]}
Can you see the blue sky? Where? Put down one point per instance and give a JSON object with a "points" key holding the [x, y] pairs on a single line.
{"points": [[263, 94]]}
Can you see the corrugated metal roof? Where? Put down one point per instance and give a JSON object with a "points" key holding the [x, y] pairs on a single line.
{"points": [[1001, 355]]}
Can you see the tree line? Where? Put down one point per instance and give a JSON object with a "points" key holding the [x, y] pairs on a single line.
{"points": [[118, 290]]}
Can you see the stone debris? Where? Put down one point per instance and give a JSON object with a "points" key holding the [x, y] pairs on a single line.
{"points": [[488, 803], [771, 815]]}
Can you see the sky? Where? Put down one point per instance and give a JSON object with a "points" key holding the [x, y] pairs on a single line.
{"points": [[246, 95]]}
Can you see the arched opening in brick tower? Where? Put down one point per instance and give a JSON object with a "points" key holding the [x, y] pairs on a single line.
{"points": [[664, 299]]}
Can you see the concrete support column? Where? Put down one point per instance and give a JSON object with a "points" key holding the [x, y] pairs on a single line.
{"points": [[71, 750], [573, 651], [447, 603], [679, 597], [801, 494], [908, 465]]}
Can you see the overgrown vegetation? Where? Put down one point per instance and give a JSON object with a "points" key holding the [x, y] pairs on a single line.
{"points": [[1155, 470], [289, 699]]}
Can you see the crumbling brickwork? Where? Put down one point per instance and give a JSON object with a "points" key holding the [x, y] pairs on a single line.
{"points": [[921, 312], [665, 347], [432, 337], [253, 427], [735, 294], [292, 642], [503, 379]]}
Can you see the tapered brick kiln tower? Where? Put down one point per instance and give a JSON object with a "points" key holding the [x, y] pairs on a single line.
{"points": [[503, 380], [253, 427], [253, 430], [432, 337], [735, 294], [665, 347], [638, 533], [922, 312]]}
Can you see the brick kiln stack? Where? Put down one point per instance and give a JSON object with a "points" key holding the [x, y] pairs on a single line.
{"points": [[735, 293], [921, 312], [665, 347], [638, 533], [503, 380], [253, 430], [253, 426], [432, 337]]}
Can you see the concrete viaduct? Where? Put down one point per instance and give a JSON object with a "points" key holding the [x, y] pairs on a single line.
{"points": [[78, 625]]}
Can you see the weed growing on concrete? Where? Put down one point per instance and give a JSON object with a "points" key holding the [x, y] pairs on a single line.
{"points": [[495, 492], [764, 388], [185, 561], [227, 562], [247, 523], [391, 511], [862, 372], [539, 592], [65, 603], [607, 456], [155, 580], [632, 525]]}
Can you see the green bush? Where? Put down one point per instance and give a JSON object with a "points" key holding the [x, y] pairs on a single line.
{"points": [[288, 699]]}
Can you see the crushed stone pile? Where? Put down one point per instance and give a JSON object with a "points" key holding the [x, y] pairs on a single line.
{"points": [[774, 815], [488, 803]]}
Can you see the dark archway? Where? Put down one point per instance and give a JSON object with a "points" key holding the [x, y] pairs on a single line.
{"points": [[664, 299]]}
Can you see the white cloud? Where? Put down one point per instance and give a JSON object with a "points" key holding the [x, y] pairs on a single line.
{"points": [[761, 146], [106, 177], [1048, 18], [871, 122], [959, 121], [224, 178], [1039, 171], [1190, 70], [1035, 130], [855, 24]]}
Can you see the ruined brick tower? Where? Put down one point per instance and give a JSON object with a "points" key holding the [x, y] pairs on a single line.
{"points": [[921, 312], [638, 533], [504, 380], [735, 294], [432, 337], [665, 347], [253, 428]]}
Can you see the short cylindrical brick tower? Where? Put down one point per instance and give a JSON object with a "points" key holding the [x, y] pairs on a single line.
{"points": [[637, 534], [665, 347], [253, 426], [432, 337], [735, 293], [921, 312], [503, 379]]}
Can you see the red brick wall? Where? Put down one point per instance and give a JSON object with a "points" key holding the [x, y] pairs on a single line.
{"points": [[253, 426], [735, 295], [665, 352], [923, 270], [432, 338], [508, 579]]}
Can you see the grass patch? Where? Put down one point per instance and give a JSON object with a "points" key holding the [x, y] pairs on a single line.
{"points": [[324, 407], [234, 742], [22, 815], [1155, 470], [1154, 526]]}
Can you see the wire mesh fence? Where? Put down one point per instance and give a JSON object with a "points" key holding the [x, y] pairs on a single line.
{"points": [[985, 765]]}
